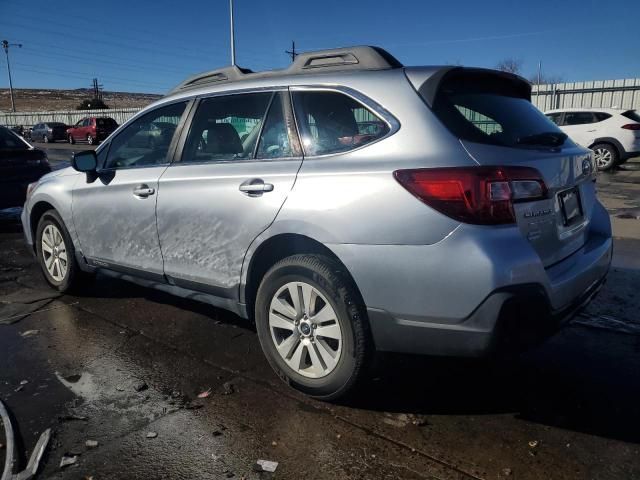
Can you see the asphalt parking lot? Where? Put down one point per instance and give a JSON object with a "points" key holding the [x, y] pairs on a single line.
{"points": [[123, 366]]}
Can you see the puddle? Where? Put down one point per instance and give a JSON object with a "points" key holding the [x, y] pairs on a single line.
{"points": [[606, 322]]}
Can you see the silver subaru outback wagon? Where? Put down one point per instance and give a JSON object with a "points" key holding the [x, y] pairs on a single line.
{"points": [[346, 204]]}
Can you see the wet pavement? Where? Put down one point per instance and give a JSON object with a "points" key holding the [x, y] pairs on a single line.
{"points": [[123, 366]]}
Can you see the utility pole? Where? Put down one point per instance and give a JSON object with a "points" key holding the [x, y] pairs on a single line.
{"points": [[233, 40], [539, 74], [6, 45], [292, 52]]}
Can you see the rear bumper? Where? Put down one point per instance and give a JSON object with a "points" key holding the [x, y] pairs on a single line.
{"points": [[471, 294]]}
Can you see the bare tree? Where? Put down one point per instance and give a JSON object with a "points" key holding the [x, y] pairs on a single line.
{"points": [[546, 79], [510, 65]]}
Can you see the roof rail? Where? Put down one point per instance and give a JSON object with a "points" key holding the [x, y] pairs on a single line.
{"points": [[337, 59]]}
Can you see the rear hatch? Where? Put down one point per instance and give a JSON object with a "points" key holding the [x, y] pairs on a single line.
{"points": [[106, 125], [58, 130], [492, 116]]}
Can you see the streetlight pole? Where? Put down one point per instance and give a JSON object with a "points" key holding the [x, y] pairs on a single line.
{"points": [[233, 40], [6, 45]]}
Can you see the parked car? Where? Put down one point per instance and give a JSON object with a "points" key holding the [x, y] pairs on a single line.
{"points": [[20, 165], [467, 223], [91, 129], [49, 132], [613, 134]]}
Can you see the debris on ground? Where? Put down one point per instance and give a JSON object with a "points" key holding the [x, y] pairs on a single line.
{"points": [[274, 444], [29, 333], [24, 382], [205, 394], [152, 434], [91, 443], [507, 472], [18, 388], [140, 386], [67, 460], [533, 443], [228, 388], [120, 388], [265, 466], [70, 418]]}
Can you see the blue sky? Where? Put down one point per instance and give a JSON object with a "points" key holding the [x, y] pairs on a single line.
{"points": [[149, 46]]}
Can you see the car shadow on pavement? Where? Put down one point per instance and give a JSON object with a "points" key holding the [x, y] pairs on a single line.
{"points": [[585, 380]]}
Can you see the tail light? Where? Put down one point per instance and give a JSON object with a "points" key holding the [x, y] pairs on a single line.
{"points": [[631, 126], [478, 195]]}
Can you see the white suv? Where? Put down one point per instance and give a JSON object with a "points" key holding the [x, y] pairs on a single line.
{"points": [[613, 134]]}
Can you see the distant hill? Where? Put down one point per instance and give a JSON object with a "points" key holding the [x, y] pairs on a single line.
{"points": [[43, 99]]}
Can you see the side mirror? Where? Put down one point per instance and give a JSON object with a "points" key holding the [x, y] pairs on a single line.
{"points": [[85, 161]]}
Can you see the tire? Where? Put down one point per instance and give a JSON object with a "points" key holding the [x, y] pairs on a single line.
{"points": [[71, 139], [606, 156], [50, 226], [90, 140], [347, 331], [45, 139]]}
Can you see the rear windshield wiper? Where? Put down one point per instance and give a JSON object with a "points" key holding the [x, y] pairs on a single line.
{"points": [[551, 139]]}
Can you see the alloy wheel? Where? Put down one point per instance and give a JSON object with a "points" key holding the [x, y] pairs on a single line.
{"points": [[603, 157], [305, 330], [54, 253]]}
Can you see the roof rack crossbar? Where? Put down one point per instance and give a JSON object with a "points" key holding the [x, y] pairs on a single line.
{"points": [[338, 59]]}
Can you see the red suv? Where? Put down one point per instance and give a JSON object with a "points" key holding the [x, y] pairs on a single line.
{"points": [[91, 129]]}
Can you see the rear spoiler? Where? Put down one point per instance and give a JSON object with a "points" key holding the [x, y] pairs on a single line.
{"points": [[428, 80]]}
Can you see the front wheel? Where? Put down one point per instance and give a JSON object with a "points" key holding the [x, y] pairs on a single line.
{"points": [[311, 326], [606, 156], [56, 253]]}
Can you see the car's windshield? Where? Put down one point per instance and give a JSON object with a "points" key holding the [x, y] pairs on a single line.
{"points": [[10, 141]]}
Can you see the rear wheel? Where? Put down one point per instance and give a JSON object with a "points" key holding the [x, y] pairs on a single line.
{"points": [[606, 156], [311, 326], [71, 140], [90, 139], [45, 139], [56, 253]]}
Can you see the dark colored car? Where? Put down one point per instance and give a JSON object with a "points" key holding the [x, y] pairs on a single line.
{"points": [[49, 132], [20, 165], [19, 129], [91, 129]]}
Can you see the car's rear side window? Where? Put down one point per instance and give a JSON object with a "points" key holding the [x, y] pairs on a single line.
{"points": [[578, 118], [600, 116], [632, 115], [491, 110], [332, 122]]}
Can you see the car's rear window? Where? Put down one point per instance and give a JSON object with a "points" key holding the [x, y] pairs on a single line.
{"points": [[632, 115], [10, 141], [106, 122], [492, 111]]}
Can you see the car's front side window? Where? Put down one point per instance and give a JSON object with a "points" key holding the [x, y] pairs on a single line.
{"points": [[134, 147], [226, 127], [332, 122]]}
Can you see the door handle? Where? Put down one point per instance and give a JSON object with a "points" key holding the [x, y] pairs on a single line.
{"points": [[255, 187], [143, 191]]}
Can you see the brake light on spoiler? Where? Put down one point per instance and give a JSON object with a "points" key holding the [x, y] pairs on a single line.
{"points": [[477, 195]]}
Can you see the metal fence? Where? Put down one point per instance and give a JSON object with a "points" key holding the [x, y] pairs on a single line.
{"points": [[600, 93], [597, 94], [68, 117]]}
